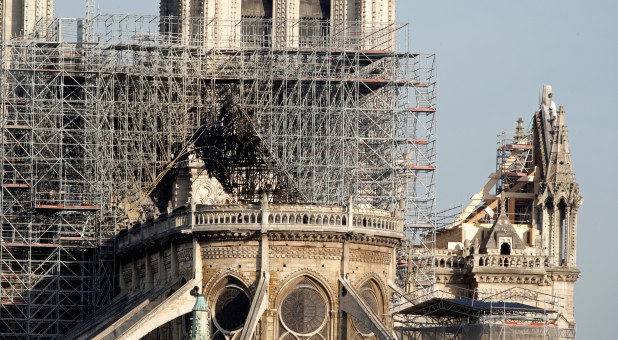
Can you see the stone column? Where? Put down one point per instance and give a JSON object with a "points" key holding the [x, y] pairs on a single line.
{"points": [[573, 237], [174, 261], [265, 245], [567, 237], [148, 278], [121, 283], [227, 15], [134, 276], [285, 21], [197, 260], [163, 277]]}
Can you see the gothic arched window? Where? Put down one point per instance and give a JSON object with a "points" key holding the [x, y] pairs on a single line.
{"points": [[505, 249], [372, 295], [304, 312], [231, 304]]}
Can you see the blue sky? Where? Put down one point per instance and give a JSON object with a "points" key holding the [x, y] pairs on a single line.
{"points": [[493, 58]]}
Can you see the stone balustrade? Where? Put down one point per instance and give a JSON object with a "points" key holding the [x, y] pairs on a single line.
{"points": [[509, 261], [146, 230], [460, 264], [450, 261], [279, 217]]}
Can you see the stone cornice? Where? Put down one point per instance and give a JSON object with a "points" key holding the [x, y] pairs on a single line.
{"points": [[508, 271], [568, 274], [512, 279], [510, 275], [333, 237]]}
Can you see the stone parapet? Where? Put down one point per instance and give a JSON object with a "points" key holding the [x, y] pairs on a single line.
{"points": [[508, 261], [450, 264], [462, 264], [286, 217]]}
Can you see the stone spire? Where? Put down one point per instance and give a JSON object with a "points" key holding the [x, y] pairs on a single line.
{"points": [[560, 176], [519, 131], [560, 199]]}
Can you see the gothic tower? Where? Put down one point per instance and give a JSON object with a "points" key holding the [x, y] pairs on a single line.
{"points": [[518, 234], [559, 199], [287, 23], [18, 17]]}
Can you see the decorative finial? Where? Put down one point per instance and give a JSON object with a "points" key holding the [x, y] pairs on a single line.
{"points": [[560, 121], [519, 132]]}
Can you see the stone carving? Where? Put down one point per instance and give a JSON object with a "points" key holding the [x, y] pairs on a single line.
{"points": [[141, 270], [185, 262], [322, 237], [167, 259], [370, 257], [127, 275], [209, 191], [154, 265], [230, 236], [510, 279], [306, 253], [230, 252]]}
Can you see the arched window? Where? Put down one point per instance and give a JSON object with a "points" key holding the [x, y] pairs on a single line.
{"points": [[231, 304], [304, 312], [562, 232], [505, 249], [372, 295]]}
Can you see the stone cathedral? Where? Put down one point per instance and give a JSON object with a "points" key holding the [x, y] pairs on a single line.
{"points": [[226, 255], [262, 269]]}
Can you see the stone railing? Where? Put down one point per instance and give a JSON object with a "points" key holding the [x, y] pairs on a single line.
{"points": [[509, 261], [279, 217], [454, 262], [144, 231], [298, 217], [459, 264]]}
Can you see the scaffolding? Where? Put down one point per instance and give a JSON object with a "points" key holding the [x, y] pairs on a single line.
{"points": [[56, 254], [514, 164], [515, 313], [97, 113], [417, 256]]}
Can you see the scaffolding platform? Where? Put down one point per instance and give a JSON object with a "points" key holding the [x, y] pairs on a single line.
{"points": [[17, 127], [421, 109], [443, 307], [66, 207], [16, 185]]}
